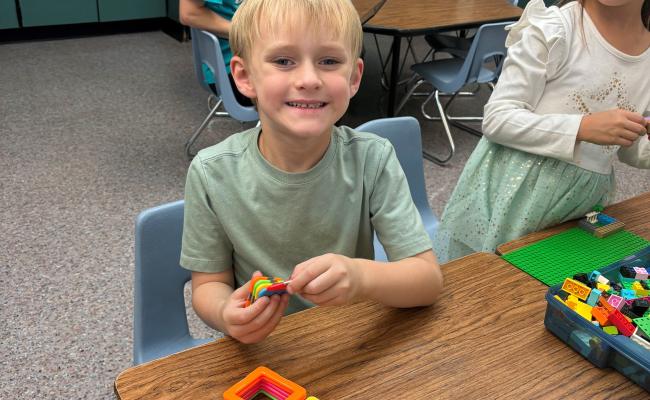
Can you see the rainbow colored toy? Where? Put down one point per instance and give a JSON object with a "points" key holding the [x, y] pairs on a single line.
{"points": [[261, 286], [263, 383]]}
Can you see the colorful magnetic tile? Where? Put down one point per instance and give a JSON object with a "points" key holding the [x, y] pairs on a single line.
{"points": [[264, 286], [264, 380]]}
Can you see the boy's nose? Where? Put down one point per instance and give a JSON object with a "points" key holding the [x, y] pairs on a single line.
{"points": [[308, 77]]}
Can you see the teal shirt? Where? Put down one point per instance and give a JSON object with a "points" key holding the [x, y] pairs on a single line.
{"points": [[243, 213], [226, 9]]}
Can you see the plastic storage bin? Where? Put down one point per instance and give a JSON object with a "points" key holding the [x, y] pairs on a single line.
{"points": [[603, 350]]}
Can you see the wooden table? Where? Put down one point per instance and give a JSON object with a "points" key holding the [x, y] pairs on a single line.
{"points": [[483, 339], [405, 18], [367, 8], [634, 212]]}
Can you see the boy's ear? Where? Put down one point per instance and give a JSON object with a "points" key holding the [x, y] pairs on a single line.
{"points": [[355, 78], [241, 76]]}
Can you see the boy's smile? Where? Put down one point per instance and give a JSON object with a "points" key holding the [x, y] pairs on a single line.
{"points": [[302, 80]]}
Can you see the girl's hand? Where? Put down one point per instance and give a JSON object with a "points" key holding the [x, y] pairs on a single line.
{"points": [[613, 127], [254, 323], [330, 279]]}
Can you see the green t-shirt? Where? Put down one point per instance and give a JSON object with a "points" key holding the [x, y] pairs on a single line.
{"points": [[243, 213]]}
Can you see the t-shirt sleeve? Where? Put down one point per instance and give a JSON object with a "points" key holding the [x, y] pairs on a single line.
{"points": [[206, 247], [394, 216]]}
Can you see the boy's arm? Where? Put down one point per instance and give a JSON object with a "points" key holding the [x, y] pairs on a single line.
{"points": [[194, 13], [223, 308], [210, 291], [410, 282], [333, 279]]}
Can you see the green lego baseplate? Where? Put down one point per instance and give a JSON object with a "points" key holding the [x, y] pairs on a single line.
{"points": [[573, 251]]}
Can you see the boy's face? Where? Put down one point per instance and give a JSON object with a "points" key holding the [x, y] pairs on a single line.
{"points": [[302, 82]]}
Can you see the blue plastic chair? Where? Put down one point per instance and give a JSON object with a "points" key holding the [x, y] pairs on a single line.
{"points": [[481, 65], [159, 319], [404, 135], [207, 52]]}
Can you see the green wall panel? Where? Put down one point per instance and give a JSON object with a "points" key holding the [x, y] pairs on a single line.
{"points": [[8, 18], [172, 10], [119, 10], [49, 12]]}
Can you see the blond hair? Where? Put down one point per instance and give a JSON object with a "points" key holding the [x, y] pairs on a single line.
{"points": [[338, 18]]}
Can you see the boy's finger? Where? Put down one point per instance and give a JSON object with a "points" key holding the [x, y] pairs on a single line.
{"points": [[321, 283], [306, 275], [301, 267], [245, 315], [265, 315], [270, 325]]}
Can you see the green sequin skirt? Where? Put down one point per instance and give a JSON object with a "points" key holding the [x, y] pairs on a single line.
{"points": [[503, 194]]}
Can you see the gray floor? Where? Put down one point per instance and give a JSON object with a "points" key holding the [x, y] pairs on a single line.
{"points": [[92, 132]]}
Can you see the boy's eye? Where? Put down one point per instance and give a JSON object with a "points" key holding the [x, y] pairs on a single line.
{"points": [[330, 61], [282, 61]]}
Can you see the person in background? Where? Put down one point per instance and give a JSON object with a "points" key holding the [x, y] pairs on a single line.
{"points": [[213, 16], [569, 101]]}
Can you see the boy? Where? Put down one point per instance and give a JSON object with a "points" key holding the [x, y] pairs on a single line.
{"points": [[299, 196]]}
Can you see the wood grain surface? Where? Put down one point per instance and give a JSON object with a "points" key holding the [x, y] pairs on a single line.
{"points": [[367, 8], [418, 16], [634, 212], [484, 339]]}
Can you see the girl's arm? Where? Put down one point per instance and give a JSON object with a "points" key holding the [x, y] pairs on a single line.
{"points": [[509, 116], [193, 13]]}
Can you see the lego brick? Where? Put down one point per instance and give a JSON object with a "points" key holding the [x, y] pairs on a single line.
{"points": [[576, 288], [610, 330]]}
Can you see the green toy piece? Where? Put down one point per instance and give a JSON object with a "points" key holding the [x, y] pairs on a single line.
{"points": [[573, 251]]}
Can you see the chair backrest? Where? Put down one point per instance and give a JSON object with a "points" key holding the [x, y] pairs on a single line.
{"points": [[489, 44], [404, 134], [159, 318], [205, 47]]}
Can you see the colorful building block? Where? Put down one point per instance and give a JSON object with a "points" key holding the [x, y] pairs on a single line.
{"points": [[576, 288], [594, 295], [616, 301], [641, 273], [621, 323], [600, 314], [610, 330]]}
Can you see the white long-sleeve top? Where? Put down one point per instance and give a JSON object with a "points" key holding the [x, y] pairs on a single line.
{"points": [[553, 75]]}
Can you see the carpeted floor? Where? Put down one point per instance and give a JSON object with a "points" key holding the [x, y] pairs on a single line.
{"points": [[91, 133]]}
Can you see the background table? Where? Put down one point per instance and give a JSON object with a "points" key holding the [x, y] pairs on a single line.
{"points": [[404, 18], [367, 8], [634, 212], [483, 339]]}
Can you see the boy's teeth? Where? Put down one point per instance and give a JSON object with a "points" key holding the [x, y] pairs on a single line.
{"points": [[304, 105]]}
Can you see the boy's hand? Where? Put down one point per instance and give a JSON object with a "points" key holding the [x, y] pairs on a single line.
{"points": [[330, 279], [613, 127], [253, 323]]}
